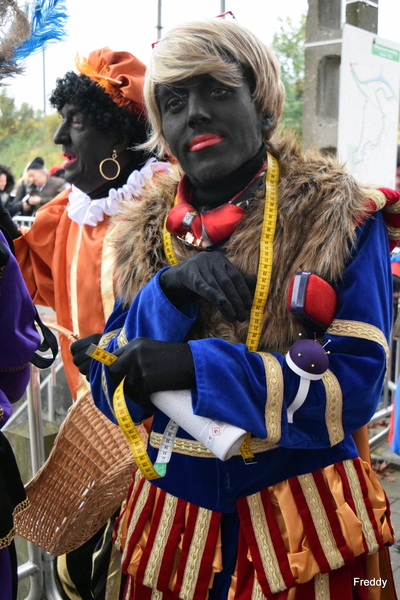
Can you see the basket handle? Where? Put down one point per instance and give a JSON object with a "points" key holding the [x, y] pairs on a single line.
{"points": [[63, 330]]}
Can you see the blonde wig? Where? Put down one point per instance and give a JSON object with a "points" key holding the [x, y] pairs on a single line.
{"points": [[222, 49]]}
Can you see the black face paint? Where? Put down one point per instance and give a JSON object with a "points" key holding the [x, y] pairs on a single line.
{"points": [[84, 147], [212, 128]]}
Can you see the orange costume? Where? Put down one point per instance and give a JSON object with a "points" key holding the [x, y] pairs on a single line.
{"points": [[66, 257], [68, 268], [67, 263]]}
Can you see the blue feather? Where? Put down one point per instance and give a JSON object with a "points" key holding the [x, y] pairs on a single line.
{"points": [[47, 19]]}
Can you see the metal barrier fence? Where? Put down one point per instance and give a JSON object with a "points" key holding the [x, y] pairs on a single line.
{"points": [[39, 566], [21, 220]]}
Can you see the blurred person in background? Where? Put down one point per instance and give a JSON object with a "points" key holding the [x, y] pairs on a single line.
{"points": [[7, 192], [39, 188]]}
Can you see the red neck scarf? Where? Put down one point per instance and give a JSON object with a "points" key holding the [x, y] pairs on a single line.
{"points": [[204, 229]]}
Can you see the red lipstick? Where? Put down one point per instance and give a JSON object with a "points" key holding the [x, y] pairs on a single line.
{"points": [[202, 141], [70, 159]]}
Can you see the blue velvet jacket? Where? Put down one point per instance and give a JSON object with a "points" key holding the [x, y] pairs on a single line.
{"points": [[236, 386]]}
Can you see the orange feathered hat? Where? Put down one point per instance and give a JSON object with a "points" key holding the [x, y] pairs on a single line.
{"points": [[120, 74]]}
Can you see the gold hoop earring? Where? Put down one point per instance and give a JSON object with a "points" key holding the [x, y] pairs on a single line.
{"points": [[114, 160]]}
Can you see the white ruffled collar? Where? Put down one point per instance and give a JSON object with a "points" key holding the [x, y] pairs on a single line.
{"points": [[84, 211]]}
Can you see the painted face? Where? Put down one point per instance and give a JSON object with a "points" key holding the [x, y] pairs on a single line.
{"points": [[83, 147], [3, 181], [212, 128]]}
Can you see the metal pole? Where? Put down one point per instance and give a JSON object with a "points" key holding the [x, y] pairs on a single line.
{"points": [[222, 6], [159, 26], [39, 567], [35, 421], [36, 579], [37, 459], [50, 585]]}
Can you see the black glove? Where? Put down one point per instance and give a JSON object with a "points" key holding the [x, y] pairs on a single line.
{"points": [[78, 351], [211, 276], [152, 366]]}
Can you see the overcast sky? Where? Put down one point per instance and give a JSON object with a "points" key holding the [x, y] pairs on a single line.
{"points": [[131, 25]]}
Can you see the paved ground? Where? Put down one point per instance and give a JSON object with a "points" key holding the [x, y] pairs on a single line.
{"points": [[392, 489]]}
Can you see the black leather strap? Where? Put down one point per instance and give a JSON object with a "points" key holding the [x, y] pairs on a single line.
{"points": [[49, 342]]}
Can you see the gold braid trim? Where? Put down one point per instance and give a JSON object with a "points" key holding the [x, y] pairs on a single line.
{"points": [[105, 389], [361, 509], [393, 232], [107, 275], [274, 403], [137, 511], [321, 521], [129, 587], [321, 586], [106, 338], [164, 529], [334, 406], [256, 592], [122, 340], [73, 283], [378, 197], [265, 544], [358, 329], [195, 554], [103, 343], [394, 208], [14, 369], [193, 448]]}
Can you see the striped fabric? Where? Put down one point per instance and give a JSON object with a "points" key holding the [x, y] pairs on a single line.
{"points": [[306, 537]]}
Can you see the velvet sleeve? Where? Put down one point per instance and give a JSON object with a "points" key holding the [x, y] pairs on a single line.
{"points": [[151, 315], [239, 387], [19, 336]]}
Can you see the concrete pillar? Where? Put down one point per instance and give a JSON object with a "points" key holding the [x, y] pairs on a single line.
{"points": [[322, 64]]}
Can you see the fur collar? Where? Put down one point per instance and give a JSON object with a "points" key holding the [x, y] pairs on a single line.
{"points": [[319, 204]]}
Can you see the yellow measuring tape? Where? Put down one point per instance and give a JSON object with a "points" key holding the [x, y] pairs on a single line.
{"points": [[134, 438], [266, 254], [264, 269], [168, 249], [253, 337], [124, 419]]}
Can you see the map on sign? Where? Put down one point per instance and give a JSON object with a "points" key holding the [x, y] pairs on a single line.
{"points": [[369, 106]]}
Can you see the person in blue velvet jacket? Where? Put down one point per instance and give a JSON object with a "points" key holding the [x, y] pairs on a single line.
{"points": [[205, 264]]}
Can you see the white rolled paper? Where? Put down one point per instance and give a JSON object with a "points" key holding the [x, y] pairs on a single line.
{"points": [[220, 438]]}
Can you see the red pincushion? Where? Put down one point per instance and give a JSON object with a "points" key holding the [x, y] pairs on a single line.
{"points": [[320, 300]]}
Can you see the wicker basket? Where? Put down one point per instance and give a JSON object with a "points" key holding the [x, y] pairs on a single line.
{"points": [[82, 483]]}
